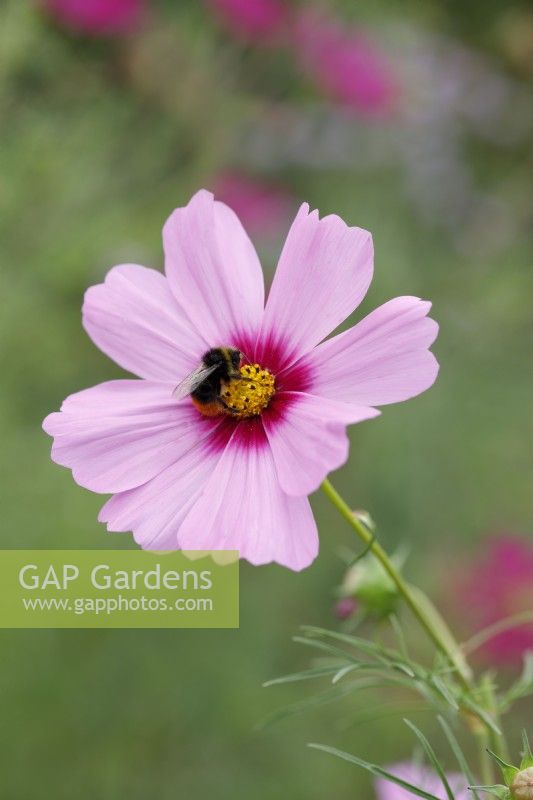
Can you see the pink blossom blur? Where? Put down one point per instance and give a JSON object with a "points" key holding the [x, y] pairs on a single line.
{"points": [[423, 777], [255, 21], [264, 208], [499, 585], [96, 17], [345, 65]]}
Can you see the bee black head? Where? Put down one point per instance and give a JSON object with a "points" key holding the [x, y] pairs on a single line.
{"points": [[222, 356], [213, 357]]}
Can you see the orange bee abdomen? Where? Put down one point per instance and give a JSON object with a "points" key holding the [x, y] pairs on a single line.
{"points": [[211, 409]]}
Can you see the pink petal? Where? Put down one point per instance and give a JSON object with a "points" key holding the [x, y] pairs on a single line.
{"points": [[323, 273], [213, 270], [308, 439], [421, 776], [134, 318], [243, 508], [156, 510], [118, 435], [383, 359]]}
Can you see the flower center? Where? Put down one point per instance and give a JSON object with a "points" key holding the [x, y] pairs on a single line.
{"points": [[250, 394]]}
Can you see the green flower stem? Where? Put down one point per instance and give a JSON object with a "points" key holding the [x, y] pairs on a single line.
{"points": [[497, 743], [486, 769], [403, 587]]}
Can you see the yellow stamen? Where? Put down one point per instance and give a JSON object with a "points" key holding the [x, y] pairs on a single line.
{"points": [[250, 394]]}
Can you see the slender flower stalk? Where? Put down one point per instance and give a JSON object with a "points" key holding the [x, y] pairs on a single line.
{"points": [[403, 587], [431, 624]]}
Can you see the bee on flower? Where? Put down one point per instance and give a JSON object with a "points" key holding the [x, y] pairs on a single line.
{"points": [[240, 407]]}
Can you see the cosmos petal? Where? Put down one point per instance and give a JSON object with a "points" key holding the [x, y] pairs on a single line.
{"points": [[119, 434], [134, 319], [213, 270], [383, 359], [156, 510], [308, 438], [243, 508], [323, 273]]}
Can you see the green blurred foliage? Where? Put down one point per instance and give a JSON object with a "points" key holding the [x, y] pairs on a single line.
{"points": [[98, 142]]}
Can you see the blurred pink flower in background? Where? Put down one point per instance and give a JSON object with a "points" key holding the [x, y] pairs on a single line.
{"points": [[499, 585], [345, 65], [263, 207], [420, 776], [96, 17], [255, 21]]}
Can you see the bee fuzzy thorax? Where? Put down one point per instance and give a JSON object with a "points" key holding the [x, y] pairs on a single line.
{"points": [[250, 393]]}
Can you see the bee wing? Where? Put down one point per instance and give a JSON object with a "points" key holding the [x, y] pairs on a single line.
{"points": [[192, 381]]}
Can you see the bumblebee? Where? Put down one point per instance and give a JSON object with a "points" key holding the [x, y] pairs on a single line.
{"points": [[222, 384], [205, 384]]}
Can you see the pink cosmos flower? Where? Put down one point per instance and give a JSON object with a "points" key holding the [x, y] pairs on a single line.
{"points": [[182, 480], [255, 21], [261, 207], [498, 586], [96, 17], [424, 778], [345, 65]]}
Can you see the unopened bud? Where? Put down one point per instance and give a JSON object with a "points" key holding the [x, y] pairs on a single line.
{"points": [[345, 607], [522, 785], [372, 588], [518, 780]]}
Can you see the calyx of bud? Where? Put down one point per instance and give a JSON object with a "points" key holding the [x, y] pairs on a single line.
{"points": [[518, 780]]}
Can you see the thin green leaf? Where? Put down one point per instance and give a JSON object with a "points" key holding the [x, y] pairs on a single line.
{"points": [[458, 753], [356, 642], [397, 628], [355, 557], [527, 756], [432, 757], [405, 668], [524, 685], [317, 700], [374, 769], [305, 675], [339, 675], [444, 690], [371, 648], [382, 712], [338, 652]]}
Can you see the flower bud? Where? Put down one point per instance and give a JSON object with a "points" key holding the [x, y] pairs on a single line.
{"points": [[367, 583], [522, 785], [518, 780], [345, 607]]}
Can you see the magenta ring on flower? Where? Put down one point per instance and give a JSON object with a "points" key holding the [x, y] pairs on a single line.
{"points": [[184, 480]]}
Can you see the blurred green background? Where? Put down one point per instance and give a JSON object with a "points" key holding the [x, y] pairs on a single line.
{"points": [[101, 137]]}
